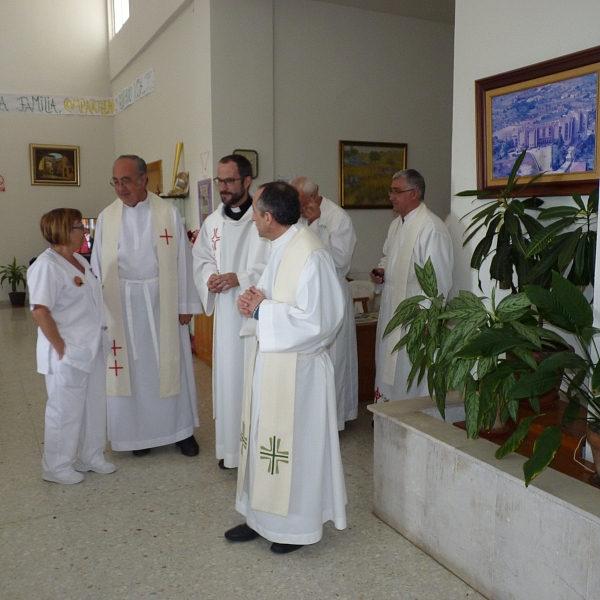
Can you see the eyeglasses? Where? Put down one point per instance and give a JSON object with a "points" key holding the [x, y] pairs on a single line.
{"points": [[228, 182], [79, 227], [125, 182], [393, 192]]}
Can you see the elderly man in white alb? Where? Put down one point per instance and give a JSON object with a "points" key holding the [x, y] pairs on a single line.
{"points": [[334, 228], [413, 237], [229, 257], [142, 256], [290, 475]]}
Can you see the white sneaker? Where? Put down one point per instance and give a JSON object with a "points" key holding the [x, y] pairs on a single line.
{"points": [[105, 468], [69, 479]]}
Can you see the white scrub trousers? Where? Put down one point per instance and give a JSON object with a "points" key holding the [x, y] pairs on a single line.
{"points": [[75, 426]]}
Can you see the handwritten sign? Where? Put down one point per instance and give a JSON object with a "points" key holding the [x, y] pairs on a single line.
{"points": [[71, 105]]}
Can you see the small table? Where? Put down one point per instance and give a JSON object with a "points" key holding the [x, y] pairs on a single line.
{"points": [[366, 333]]}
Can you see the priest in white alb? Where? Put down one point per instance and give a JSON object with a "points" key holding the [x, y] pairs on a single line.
{"points": [[141, 254], [290, 476], [229, 257], [333, 226], [415, 235]]}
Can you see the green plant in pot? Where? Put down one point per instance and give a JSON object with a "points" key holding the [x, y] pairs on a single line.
{"points": [[508, 229], [565, 307], [14, 274], [461, 346]]}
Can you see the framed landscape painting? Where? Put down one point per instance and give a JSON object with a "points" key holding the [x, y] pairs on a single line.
{"points": [[366, 170], [548, 110], [54, 165]]}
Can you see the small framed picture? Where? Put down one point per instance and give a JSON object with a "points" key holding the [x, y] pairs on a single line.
{"points": [[252, 156], [366, 170], [54, 165]]}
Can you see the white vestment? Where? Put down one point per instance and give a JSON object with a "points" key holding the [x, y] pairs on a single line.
{"points": [[308, 326], [334, 228], [144, 420], [433, 241], [228, 246], [75, 420]]}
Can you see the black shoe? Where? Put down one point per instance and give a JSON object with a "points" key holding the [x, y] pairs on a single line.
{"points": [[141, 452], [189, 446], [241, 533], [222, 466], [284, 548]]}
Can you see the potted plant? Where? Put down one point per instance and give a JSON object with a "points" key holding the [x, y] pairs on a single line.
{"points": [[566, 308], [462, 344], [15, 275], [506, 223]]}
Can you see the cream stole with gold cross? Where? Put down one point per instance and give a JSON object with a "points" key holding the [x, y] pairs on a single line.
{"points": [[118, 381], [274, 452]]}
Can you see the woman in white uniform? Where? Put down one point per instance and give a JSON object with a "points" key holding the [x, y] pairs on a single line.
{"points": [[66, 302]]}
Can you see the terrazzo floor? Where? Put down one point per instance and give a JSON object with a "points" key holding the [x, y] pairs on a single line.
{"points": [[154, 529]]}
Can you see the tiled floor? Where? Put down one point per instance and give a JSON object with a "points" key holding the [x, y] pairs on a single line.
{"points": [[154, 529]]}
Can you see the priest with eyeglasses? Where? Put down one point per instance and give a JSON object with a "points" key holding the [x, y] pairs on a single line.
{"points": [[142, 256]]}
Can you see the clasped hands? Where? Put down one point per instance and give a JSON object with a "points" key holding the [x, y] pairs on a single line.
{"points": [[220, 283], [249, 300]]}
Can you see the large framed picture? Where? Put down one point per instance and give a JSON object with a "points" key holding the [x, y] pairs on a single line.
{"points": [[549, 110], [54, 165], [366, 170]]}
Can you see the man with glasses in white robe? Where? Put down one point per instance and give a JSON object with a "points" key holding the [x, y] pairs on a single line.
{"points": [[415, 235], [142, 256]]}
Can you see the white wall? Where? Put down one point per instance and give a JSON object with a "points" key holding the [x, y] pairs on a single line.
{"points": [[146, 21], [179, 108], [492, 37], [51, 48], [349, 74]]}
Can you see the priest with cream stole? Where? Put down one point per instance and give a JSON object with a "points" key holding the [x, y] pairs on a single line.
{"points": [[142, 256], [290, 476], [333, 226], [413, 237]]}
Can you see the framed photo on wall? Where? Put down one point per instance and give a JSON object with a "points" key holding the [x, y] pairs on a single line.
{"points": [[548, 110], [366, 170], [252, 156], [54, 165]]}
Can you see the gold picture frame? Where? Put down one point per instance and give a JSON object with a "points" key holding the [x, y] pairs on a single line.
{"points": [[548, 109], [54, 165]]}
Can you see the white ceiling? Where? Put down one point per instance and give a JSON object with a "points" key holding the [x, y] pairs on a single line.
{"points": [[429, 10]]}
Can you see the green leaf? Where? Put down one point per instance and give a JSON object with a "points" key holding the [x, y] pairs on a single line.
{"points": [[512, 306], [558, 212], [514, 441], [478, 193], [529, 333], [461, 369], [568, 248], [544, 450], [472, 410], [578, 200], [427, 279], [544, 237], [490, 342]]}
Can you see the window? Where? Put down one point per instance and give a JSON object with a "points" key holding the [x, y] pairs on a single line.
{"points": [[120, 14]]}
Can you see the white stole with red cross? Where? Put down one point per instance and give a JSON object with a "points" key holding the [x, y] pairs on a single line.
{"points": [[118, 381]]}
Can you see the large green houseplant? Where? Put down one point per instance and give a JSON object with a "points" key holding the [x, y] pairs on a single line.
{"points": [[14, 274], [445, 342], [566, 308], [525, 250]]}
